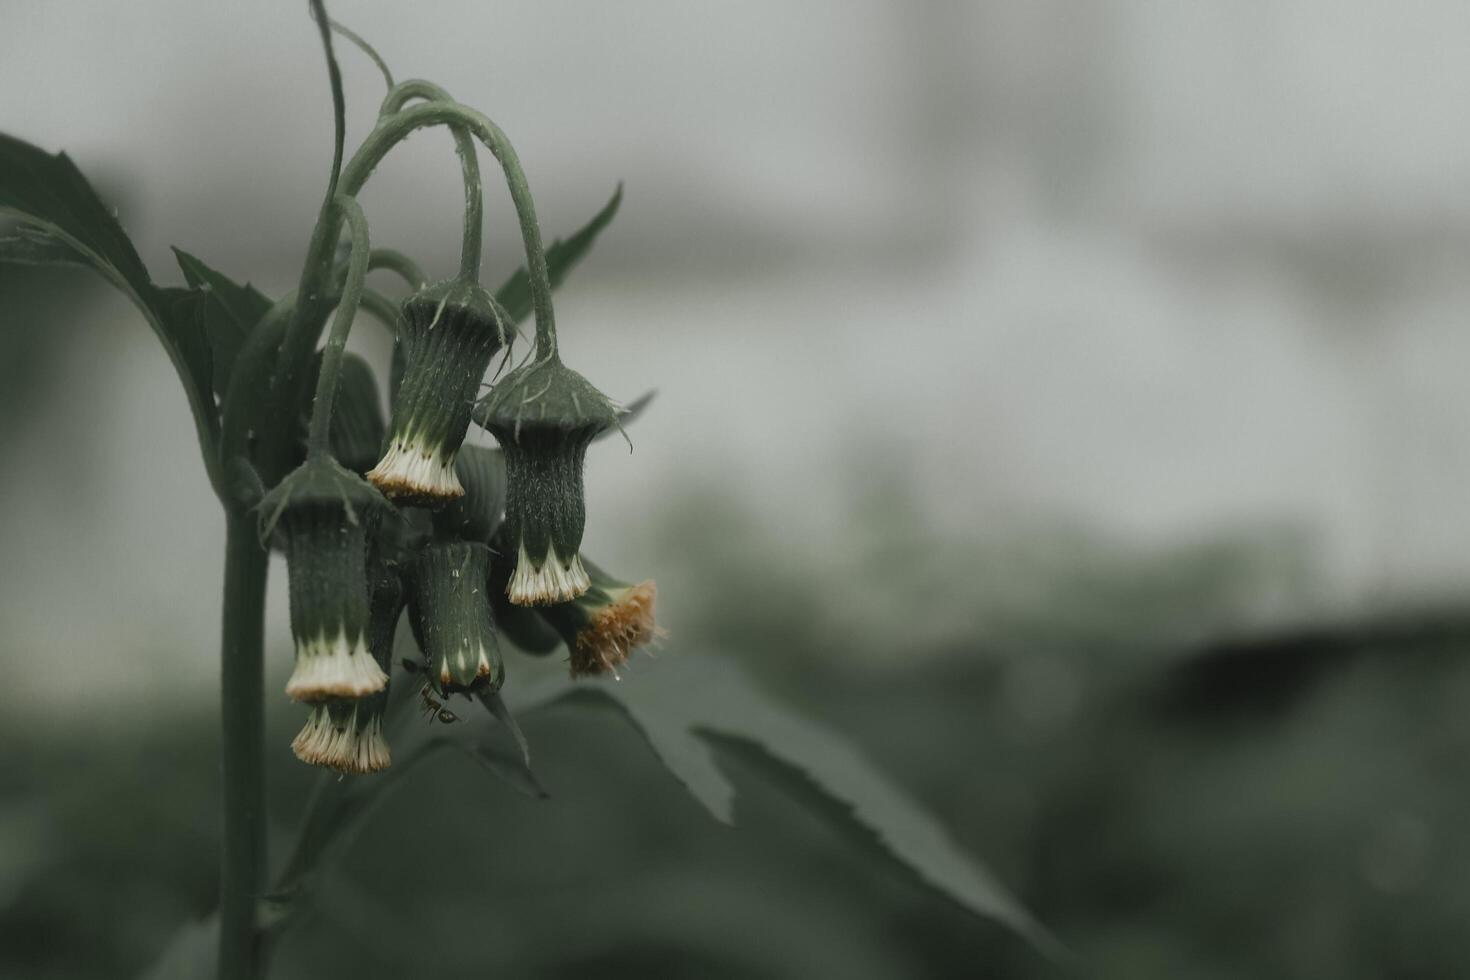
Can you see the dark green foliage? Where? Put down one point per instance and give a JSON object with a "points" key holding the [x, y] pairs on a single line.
{"points": [[51, 198], [228, 313]]}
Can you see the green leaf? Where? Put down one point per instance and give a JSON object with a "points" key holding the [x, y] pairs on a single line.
{"points": [[49, 194], [31, 246], [192, 953], [228, 315], [339, 807], [686, 705], [515, 294]]}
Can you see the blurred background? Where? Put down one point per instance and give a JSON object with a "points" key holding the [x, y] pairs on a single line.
{"points": [[1061, 401]]}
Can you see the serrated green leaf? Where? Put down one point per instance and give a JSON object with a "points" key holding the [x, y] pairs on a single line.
{"points": [[244, 304], [228, 314], [515, 294], [685, 705], [48, 193], [192, 953], [339, 807]]}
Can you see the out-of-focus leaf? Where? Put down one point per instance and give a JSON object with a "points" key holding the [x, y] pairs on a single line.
{"points": [[228, 315], [30, 246], [515, 294], [49, 193], [684, 705], [339, 807], [192, 953]]}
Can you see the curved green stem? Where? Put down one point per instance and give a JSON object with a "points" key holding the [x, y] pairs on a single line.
{"points": [[365, 48], [474, 207], [318, 437], [396, 261], [391, 130], [383, 309]]}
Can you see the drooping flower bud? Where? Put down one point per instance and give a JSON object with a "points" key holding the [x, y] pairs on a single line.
{"points": [[521, 625], [605, 624], [544, 415], [451, 330], [449, 608], [322, 515], [344, 734]]}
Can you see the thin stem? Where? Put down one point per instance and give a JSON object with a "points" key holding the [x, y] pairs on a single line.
{"points": [[383, 309], [395, 261], [366, 49], [318, 437], [474, 207], [244, 858], [339, 101]]}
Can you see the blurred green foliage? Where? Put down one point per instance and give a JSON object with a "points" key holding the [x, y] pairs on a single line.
{"points": [[1162, 822]]}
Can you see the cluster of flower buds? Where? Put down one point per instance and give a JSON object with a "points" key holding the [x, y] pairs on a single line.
{"points": [[475, 543]]}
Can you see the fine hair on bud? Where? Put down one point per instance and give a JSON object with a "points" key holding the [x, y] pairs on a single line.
{"points": [[544, 415], [323, 516], [451, 330], [449, 609], [603, 626]]}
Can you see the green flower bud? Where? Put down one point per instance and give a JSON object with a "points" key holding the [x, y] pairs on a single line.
{"points": [[544, 415], [519, 624], [451, 330], [449, 608], [347, 735], [323, 515], [606, 623]]}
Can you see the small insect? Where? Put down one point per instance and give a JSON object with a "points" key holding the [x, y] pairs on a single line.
{"points": [[434, 708]]}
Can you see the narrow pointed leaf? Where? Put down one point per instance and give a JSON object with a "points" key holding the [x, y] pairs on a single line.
{"points": [[31, 247], [48, 193], [515, 294], [686, 705], [228, 314]]}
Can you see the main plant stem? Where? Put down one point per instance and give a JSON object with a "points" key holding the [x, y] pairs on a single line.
{"points": [[243, 861]]}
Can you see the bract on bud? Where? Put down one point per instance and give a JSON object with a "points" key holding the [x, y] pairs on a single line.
{"points": [[451, 330], [544, 415], [606, 623], [449, 608], [357, 429], [322, 515]]}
